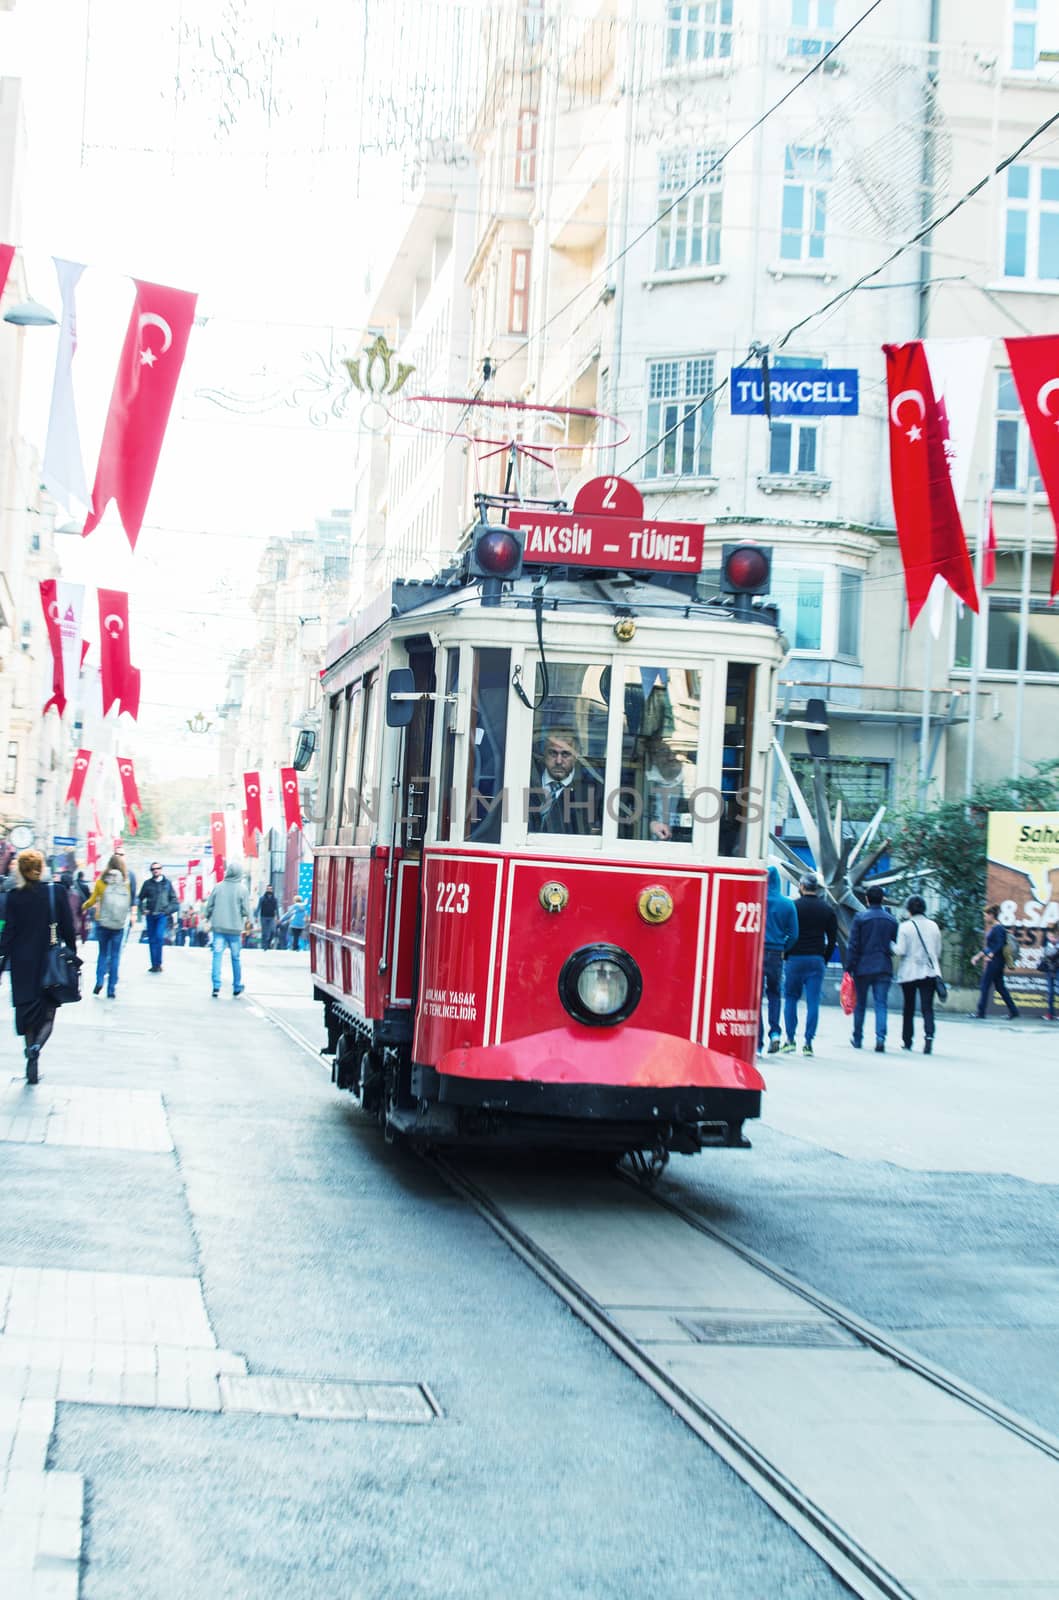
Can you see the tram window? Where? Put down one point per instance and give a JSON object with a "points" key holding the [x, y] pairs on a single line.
{"points": [[448, 742], [338, 712], [486, 801], [659, 753], [736, 799], [568, 770], [367, 785], [416, 778], [351, 806]]}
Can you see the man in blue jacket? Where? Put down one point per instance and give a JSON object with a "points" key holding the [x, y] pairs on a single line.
{"points": [[870, 963], [781, 930]]}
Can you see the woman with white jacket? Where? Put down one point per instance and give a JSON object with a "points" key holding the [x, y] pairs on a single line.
{"points": [[918, 951]]}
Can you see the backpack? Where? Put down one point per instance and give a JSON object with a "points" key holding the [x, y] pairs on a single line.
{"points": [[114, 906]]}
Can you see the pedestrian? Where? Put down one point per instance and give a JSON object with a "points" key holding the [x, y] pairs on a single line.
{"points": [[805, 962], [157, 901], [781, 930], [299, 916], [227, 909], [918, 951], [1049, 965], [34, 908], [267, 911], [111, 900], [869, 962], [995, 954]]}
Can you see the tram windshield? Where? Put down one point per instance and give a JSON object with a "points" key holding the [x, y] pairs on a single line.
{"points": [[567, 777], [659, 753]]}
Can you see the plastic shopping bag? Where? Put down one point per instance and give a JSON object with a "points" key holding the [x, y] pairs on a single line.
{"points": [[847, 995]]}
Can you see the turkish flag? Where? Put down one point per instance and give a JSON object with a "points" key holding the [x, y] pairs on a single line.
{"points": [[7, 255], [82, 761], [198, 886], [92, 848], [929, 530], [50, 606], [182, 884], [140, 403], [292, 811], [1035, 369], [249, 839], [218, 868], [130, 795], [252, 789], [217, 835], [121, 680]]}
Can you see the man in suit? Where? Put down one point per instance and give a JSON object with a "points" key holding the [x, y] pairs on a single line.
{"points": [[568, 798]]}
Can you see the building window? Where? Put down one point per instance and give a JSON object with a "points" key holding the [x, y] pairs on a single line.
{"points": [[1013, 453], [1031, 223], [799, 593], [518, 300], [526, 149], [11, 768], [850, 586], [701, 32], [806, 178], [679, 417], [794, 444], [814, 24], [1000, 627], [862, 786], [689, 232], [1024, 36]]}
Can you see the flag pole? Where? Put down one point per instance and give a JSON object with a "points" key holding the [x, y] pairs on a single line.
{"points": [[976, 639], [1024, 625], [924, 719]]}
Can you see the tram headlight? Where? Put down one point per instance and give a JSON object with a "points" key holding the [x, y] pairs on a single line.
{"points": [[600, 984]]}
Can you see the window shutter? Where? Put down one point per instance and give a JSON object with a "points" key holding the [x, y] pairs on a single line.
{"points": [[518, 300]]}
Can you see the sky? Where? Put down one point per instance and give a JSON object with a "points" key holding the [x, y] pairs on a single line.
{"points": [[170, 144]]}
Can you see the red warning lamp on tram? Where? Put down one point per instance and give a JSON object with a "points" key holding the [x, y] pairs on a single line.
{"points": [[495, 553], [746, 568]]}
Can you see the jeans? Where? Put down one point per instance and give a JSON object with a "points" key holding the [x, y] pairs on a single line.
{"points": [[773, 990], [802, 972], [993, 977], [232, 942], [268, 932], [296, 938], [156, 922], [924, 987], [878, 989], [110, 943]]}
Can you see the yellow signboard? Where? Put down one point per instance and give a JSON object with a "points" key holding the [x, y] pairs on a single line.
{"points": [[1023, 880]]}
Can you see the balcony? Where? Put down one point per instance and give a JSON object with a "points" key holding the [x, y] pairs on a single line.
{"points": [[849, 700]]}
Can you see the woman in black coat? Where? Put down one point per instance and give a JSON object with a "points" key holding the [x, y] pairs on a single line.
{"points": [[24, 946]]}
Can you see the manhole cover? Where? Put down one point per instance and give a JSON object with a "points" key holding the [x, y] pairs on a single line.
{"points": [[767, 1330], [339, 1402]]}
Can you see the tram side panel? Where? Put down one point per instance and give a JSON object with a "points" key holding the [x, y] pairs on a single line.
{"points": [[359, 955], [735, 957]]}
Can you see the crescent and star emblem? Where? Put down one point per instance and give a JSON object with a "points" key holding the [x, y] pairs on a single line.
{"points": [[80, 763], [1044, 394], [914, 432], [289, 786], [53, 610], [118, 624], [150, 319], [251, 788], [126, 772]]}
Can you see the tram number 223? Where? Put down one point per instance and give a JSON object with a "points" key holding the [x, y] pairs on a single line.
{"points": [[453, 897], [748, 916]]}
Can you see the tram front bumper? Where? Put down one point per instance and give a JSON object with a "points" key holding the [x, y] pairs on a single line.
{"points": [[618, 1058]]}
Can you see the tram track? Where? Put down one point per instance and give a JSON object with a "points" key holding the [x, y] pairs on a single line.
{"points": [[545, 1220]]}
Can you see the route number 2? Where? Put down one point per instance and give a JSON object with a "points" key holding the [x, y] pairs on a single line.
{"points": [[748, 916], [610, 489], [454, 897]]}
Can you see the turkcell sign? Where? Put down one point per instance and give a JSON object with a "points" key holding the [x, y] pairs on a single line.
{"points": [[796, 392], [588, 539]]}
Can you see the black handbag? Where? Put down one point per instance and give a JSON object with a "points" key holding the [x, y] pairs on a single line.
{"points": [[941, 988], [61, 978]]}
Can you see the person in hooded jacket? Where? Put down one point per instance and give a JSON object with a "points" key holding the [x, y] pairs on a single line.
{"points": [[869, 962], [226, 911], [781, 930], [23, 946], [111, 901]]}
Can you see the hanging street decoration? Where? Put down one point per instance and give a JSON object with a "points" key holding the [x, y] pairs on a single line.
{"points": [[82, 761], [120, 679], [62, 604], [219, 842], [1035, 370], [144, 387], [375, 372], [7, 255], [63, 469], [929, 529], [249, 839], [130, 795], [252, 789], [292, 815]]}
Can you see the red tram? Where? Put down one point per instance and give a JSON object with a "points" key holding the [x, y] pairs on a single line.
{"points": [[538, 904]]}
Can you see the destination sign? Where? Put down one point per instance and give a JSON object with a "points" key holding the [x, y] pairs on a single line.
{"points": [[608, 528]]}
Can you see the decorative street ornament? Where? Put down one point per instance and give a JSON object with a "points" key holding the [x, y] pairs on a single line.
{"points": [[198, 724], [372, 372]]}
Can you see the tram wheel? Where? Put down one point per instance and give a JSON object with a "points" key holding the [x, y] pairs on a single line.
{"points": [[344, 1072], [371, 1081]]}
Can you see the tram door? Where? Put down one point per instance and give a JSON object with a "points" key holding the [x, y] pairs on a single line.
{"points": [[417, 791]]}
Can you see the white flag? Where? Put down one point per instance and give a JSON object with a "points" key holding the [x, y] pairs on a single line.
{"points": [[957, 373], [70, 599], [63, 471]]}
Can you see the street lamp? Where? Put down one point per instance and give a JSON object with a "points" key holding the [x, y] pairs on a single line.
{"points": [[30, 314]]}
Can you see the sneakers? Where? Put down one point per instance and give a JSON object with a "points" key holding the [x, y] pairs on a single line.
{"points": [[98, 989], [216, 992], [855, 1043], [774, 1043], [928, 1047], [237, 992], [907, 1046], [789, 1048], [807, 1049]]}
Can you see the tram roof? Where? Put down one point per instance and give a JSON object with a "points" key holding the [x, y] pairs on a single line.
{"points": [[402, 601]]}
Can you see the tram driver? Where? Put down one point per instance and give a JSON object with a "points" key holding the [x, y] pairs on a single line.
{"points": [[568, 797]]}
